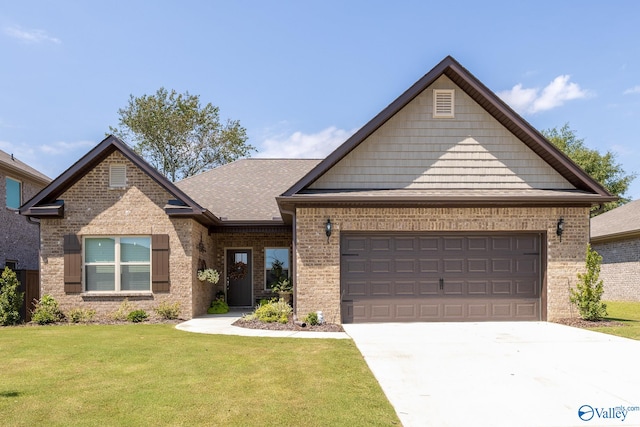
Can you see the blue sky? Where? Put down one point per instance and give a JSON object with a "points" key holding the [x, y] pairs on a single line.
{"points": [[301, 76]]}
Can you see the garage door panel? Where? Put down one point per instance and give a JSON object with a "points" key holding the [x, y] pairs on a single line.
{"points": [[440, 277]]}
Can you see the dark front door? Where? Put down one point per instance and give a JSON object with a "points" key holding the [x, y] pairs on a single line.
{"points": [[239, 277]]}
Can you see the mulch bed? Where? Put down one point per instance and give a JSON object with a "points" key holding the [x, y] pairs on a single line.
{"points": [[289, 326], [581, 323]]}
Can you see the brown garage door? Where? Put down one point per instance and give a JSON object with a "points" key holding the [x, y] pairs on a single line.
{"points": [[440, 277]]}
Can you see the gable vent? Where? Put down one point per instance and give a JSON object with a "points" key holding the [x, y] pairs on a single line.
{"points": [[117, 176], [443, 103]]}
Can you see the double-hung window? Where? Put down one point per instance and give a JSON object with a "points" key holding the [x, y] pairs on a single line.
{"points": [[14, 193], [117, 264]]}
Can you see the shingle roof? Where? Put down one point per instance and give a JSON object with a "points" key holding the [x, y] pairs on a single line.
{"points": [[246, 189], [13, 164], [619, 222]]}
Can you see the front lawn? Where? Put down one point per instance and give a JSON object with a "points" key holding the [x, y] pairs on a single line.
{"points": [[142, 375], [627, 313]]}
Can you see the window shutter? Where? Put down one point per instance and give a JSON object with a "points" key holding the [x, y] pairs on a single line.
{"points": [[72, 264], [160, 263]]}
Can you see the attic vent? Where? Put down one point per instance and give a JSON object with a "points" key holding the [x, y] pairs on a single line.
{"points": [[117, 176], [443, 103]]}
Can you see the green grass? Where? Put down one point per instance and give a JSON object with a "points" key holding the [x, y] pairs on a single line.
{"points": [[627, 313], [143, 375]]}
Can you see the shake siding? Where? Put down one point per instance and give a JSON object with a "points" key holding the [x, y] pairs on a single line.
{"points": [[92, 209], [414, 150]]}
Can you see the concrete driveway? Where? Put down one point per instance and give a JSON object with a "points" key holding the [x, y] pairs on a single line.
{"points": [[503, 374]]}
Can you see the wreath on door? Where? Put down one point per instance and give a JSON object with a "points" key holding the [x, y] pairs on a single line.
{"points": [[238, 270]]}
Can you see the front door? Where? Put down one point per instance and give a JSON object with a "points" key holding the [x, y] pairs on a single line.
{"points": [[238, 275]]}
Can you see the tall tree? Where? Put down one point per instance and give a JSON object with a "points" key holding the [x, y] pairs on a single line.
{"points": [[179, 137], [602, 167]]}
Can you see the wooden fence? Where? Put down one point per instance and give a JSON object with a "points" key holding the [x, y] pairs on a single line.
{"points": [[30, 285]]}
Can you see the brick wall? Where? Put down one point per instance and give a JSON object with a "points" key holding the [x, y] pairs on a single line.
{"points": [[18, 238], [318, 260], [92, 209], [620, 270]]}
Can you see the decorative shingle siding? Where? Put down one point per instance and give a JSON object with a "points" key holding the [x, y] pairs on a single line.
{"points": [[92, 209], [414, 150], [620, 270], [318, 274]]}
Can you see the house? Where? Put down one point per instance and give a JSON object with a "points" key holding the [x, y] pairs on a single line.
{"points": [[615, 235], [18, 237], [447, 205]]}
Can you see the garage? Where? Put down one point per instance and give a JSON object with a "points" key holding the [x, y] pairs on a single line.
{"points": [[448, 277]]}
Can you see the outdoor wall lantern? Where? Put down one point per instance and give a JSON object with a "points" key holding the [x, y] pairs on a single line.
{"points": [[328, 227], [560, 228]]}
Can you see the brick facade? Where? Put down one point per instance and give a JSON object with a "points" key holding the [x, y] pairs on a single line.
{"points": [[318, 260], [620, 270], [93, 209], [18, 238]]}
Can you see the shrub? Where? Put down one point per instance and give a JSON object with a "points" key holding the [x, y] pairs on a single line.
{"points": [[137, 316], [209, 275], [10, 298], [218, 306], [588, 293], [168, 311], [312, 318], [123, 311], [47, 311], [274, 311], [81, 315]]}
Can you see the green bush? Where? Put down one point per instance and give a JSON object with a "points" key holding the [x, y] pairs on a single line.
{"points": [[588, 292], [123, 311], [218, 306], [168, 311], [81, 315], [47, 311], [274, 311], [10, 298], [312, 318], [137, 316]]}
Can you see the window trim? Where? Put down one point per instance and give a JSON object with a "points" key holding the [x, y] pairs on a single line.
{"points": [[265, 269], [6, 192], [117, 263]]}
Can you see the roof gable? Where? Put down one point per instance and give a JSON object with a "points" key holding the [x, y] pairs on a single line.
{"points": [[562, 172], [46, 203]]}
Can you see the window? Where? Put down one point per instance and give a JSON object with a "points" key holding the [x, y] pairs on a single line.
{"points": [[117, 264], [276, 263], [13, 265], [117, 176], [443, 103], [14, 193]]}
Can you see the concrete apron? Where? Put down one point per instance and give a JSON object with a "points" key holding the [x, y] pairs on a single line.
{"points": [[503, 373]]}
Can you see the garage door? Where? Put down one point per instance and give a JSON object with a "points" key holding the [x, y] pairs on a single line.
{"points": [[440, 277]]}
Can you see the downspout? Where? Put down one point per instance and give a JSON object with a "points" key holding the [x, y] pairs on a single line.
{"points": [[293, 260]]}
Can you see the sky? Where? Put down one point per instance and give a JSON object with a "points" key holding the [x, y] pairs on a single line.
{"points": [[302, 76]]}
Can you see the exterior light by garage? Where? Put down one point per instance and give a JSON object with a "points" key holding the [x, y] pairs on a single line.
{"points": [[560, 228], [328, 227]]}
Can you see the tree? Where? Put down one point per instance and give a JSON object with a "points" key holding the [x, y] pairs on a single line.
{"points": [[179, 137], [10, 298], [601, 167], [588, 293]]}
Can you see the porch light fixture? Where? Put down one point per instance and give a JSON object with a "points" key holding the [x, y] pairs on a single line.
{"points": [[328, 227], [560, 228]]}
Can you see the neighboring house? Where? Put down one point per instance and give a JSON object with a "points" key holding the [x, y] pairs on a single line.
{"points": [[19, 239], [615, 235], [445, 206]]}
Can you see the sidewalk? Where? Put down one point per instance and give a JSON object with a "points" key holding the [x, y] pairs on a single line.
{"points": [[221, 324]]}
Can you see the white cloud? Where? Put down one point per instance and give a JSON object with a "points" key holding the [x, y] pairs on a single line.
{"points": [[534, 100], [50, 159], [62, 147], [30, 36], [632, 91], [300, 145]]}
